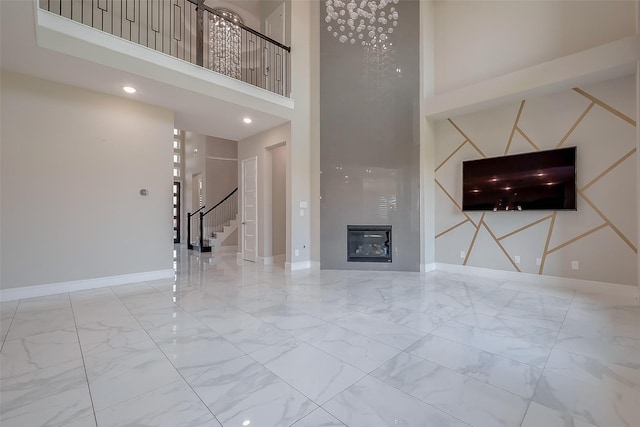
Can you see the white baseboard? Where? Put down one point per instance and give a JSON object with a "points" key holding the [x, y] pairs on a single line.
{"points": [[425, 268], [315, 265], [271, 260], [548, 281], [301, 265], [13, 294]]}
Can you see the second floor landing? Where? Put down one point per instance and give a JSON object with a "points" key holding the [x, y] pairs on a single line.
{"points": [[46, 45]]}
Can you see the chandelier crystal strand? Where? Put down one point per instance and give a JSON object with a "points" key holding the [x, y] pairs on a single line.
{"points": [[224, 43], [368, 22]]}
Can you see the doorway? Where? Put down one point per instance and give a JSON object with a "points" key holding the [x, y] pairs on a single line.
{"points": [[197, 192], [274, 25], [249, 209], [278, 156], [274, 66]]}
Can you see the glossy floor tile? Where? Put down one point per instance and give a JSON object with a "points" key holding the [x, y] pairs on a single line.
{"points": [[224, 344]]}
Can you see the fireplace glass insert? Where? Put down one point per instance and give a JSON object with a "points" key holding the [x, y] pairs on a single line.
{"points": [[368, 243]]}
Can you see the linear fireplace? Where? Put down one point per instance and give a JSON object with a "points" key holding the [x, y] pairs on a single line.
{"points": [[368, 243]]}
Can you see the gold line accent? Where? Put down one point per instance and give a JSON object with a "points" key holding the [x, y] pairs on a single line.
{"points": [[525, 227], [501, 247], [609, 169], [450, 156], [524, 135], [515, 126], [452, 228], [546, 245], [467, 138], [575, 239], [606, 106], [575, 125], [448, 195], [609, 223], [473, 241], [455, 203]]}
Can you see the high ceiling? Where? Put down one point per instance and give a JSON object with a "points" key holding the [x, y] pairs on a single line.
{"points": [[194, 111]]}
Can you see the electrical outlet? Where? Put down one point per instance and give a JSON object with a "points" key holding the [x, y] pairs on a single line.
{"points": [[462, 254], [296, 252], [538, 261], [517, 259], [575, 265]]}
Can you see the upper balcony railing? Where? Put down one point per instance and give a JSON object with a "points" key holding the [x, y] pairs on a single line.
{"points": [[188, 30]]}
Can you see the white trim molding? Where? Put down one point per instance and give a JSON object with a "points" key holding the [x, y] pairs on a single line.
{"points": [[292, 266], [264, 260], [550, 282], [425, 268], [271, 260], [604, 62], [222, 158], [13, 294]]}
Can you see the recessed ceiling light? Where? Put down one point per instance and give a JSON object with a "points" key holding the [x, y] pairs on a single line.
{"points": [[247, 120], [129, 89]]}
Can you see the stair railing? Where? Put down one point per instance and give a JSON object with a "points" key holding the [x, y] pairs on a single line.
{"points": [[186, 30], [220, 215], [198, 226]]}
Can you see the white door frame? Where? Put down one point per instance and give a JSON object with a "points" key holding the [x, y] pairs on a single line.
{"points": [[247, 255], [279, 12]]}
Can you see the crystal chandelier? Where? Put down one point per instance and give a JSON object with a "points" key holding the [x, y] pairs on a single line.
{"points": [[224, 43], [366, 21]]}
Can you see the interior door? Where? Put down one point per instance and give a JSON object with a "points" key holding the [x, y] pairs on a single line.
{"points": [[274, 70], [274, 25], [249, 209]]}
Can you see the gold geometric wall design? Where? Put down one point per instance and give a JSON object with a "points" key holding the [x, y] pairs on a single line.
{"points": [[481, 225]]}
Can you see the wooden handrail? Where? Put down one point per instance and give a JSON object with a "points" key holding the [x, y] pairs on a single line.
{"points": [[244, 27], [221, 201]]}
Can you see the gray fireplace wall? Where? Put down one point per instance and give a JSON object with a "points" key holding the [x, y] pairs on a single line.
{"points": [[369, 142]]}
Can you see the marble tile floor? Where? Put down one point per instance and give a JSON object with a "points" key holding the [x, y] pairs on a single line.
{"points": [[224, 344]]}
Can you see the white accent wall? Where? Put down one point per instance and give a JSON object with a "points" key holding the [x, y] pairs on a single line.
{"points": [[602, 235], [73, 164], [500, 68]]}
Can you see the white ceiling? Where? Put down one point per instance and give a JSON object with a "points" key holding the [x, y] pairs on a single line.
{"points": [[193, 111]]}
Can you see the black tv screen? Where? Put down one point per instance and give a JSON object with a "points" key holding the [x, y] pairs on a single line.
{"points": [[542, 180]]}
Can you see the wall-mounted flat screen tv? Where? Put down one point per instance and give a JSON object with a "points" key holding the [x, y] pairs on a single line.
{"points": [[542, 180]]}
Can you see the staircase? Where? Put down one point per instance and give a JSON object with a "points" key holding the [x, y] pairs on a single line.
{"points": [[211, 229], [218, 238]]}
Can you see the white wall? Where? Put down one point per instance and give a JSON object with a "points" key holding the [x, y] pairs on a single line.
{"points": [[279, 199], [258, 146], [194, 163], [73, 163], [478, 40], [221, 169], [299, 164], [602, 235]]}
